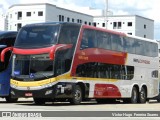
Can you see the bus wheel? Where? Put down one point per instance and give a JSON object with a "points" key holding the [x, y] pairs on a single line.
{"points": [[158, 97], [142, 96], [11, 100], [77, 96], [39, 101], [134, 96]]}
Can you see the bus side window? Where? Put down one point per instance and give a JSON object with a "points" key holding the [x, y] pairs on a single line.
{"points": [[88, 39], [84, 43]]}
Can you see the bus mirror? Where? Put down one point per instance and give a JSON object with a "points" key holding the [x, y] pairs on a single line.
{"points": [[58, 47], [51, 54], [3, 46], [4, 52]]}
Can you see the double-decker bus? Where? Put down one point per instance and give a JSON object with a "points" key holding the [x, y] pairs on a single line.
{"points": [[74, 62], [7, 39]]}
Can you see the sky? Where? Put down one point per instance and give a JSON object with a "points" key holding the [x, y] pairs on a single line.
{"points": [[146, 8]]}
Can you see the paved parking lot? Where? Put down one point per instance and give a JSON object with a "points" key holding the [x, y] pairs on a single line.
{"points": [[27, 105]]}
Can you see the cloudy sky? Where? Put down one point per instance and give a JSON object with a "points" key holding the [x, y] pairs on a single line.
{"points": [[145, 8]]}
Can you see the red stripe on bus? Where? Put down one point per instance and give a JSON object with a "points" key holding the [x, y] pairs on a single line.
{"points": [[106, 91], [48, 50], [31, 51]]}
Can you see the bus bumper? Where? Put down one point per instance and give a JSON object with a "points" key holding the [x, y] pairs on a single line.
{"points": [[60, 90]]}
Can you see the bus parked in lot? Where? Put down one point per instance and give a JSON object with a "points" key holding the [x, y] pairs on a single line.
{"points": [[74, 62], [7, 39]]}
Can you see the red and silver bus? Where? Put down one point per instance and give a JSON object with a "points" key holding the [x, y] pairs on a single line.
{"points": [[74, 62]]}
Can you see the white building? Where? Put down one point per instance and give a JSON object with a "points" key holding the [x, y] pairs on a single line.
{"points": [[22, 14], [3, 22], [129, 24]]}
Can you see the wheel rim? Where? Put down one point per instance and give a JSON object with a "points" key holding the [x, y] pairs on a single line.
{"points": [[77, 95], [142, 95], [134, 97]]}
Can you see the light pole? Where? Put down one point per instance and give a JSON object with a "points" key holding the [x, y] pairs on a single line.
{"points": [[106, 13]]}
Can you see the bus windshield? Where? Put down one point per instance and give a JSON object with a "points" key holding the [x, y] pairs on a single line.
{"points": [[37, 36], [32, 66]]}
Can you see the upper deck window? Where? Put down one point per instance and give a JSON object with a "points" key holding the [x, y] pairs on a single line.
{"points": [[68, 34]]}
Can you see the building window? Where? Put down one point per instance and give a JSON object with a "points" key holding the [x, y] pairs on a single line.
{"points": [[103, 24], [85, 22], [129, 24], [129, 33], [80, 21], [144, 36], [119, 25], [28, 14], [114, 25], [77, 20], [72, 20], [60, 18], [94, 24], [40, 13], [89, 23], [19, 17], [68, 19], [19, 25], [145, 26]]}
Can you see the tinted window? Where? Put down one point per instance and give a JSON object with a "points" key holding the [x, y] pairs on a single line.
{"points": [[117, 42], [102, 70], [68, 34], [104, 40], [88, 39], [129, 45], [37, 36], [139, 47]]}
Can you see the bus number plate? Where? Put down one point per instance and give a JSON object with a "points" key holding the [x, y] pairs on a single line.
{"points": [[28, 94]]}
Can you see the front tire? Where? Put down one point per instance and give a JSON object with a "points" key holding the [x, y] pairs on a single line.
{"points": [[11, 100], [77, 96]]}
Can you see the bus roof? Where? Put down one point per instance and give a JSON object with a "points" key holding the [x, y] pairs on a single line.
{"points": [[50, 23], [86, 26], [95, 28]]}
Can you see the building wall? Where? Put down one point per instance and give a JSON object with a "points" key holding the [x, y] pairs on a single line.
{"points": [[13, 12], [51, 13], [3, 22], [144, 27], [129, 24]]}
